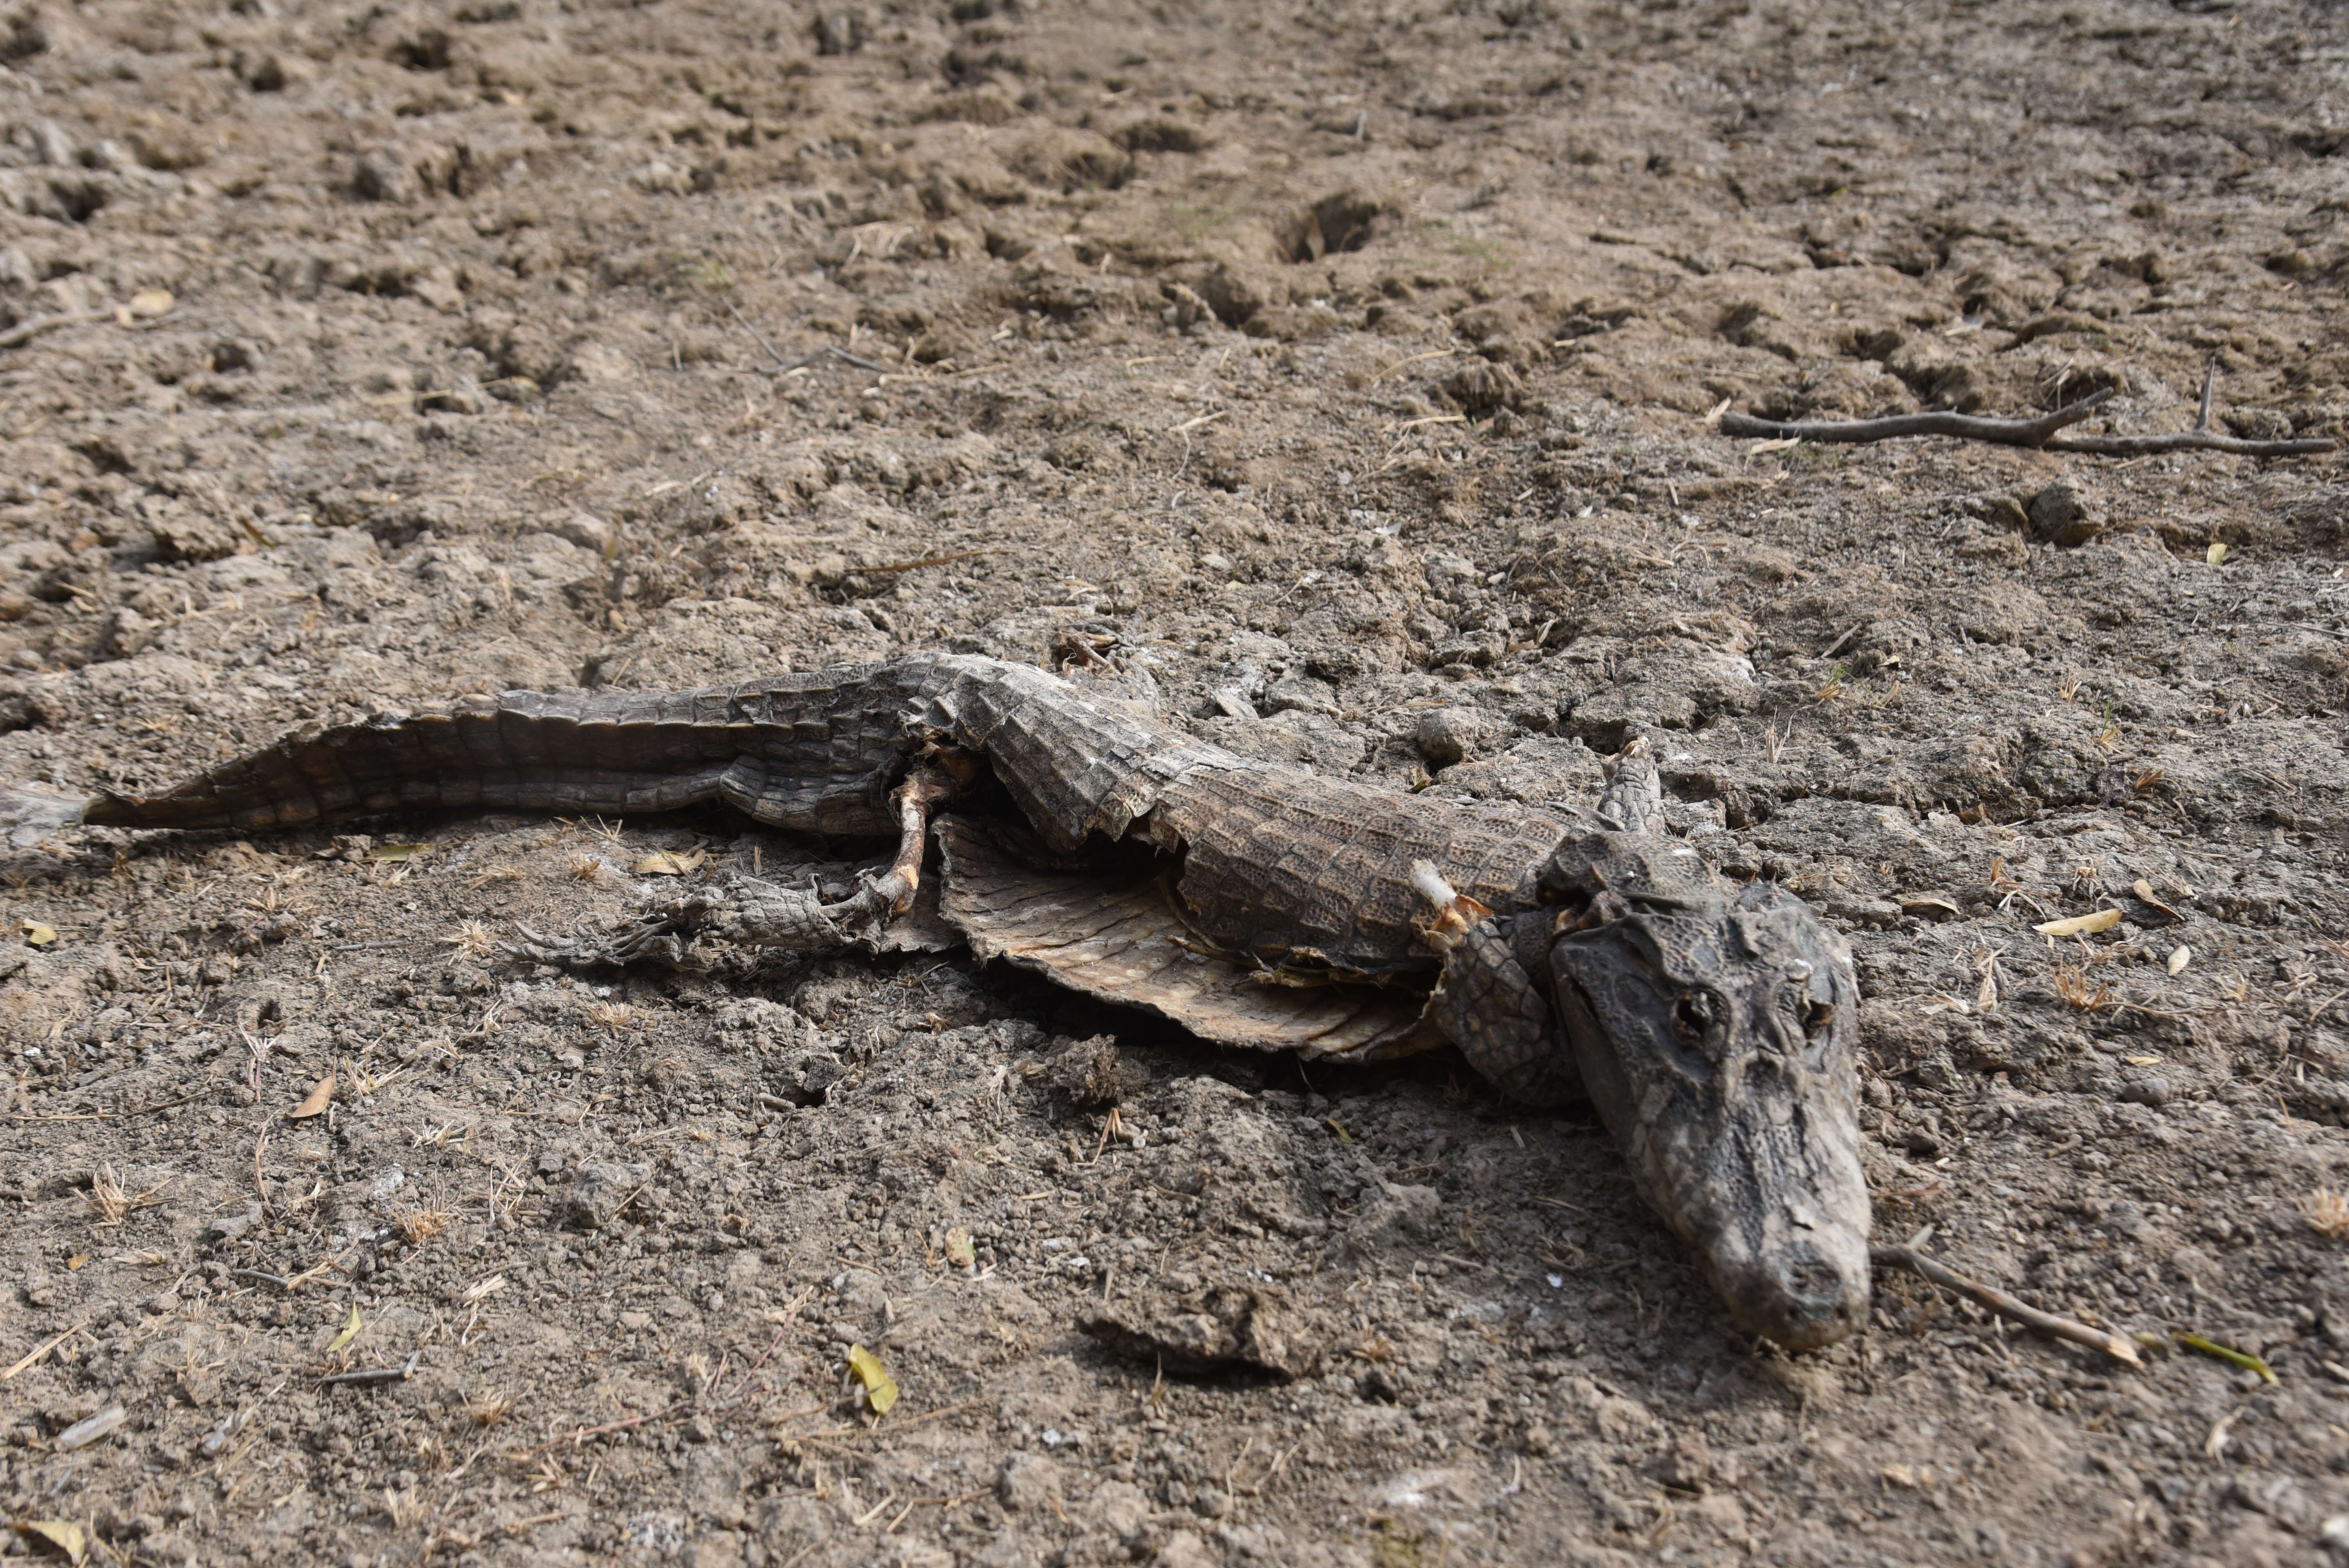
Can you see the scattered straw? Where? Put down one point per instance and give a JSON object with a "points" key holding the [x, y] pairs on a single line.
{"points": [[490, 1407], [2327, 1212], [419, 1222], [472, 940], [108, 1201], [2075, 989]]}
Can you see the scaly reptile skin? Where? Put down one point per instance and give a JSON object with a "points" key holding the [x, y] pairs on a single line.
{"points": [[1712, 1028]]}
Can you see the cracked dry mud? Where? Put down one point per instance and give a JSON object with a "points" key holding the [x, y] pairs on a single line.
{"points": [[1351, 362]]}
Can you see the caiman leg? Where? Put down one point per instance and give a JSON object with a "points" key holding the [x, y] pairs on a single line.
{"points": [[753, 913], [1487, 1001]]}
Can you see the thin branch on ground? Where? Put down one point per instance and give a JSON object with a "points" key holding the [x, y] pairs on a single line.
{"points": [[2039, 433], [785, 366], [24, 332], [2005, 1306], [2190, 441], [1965, 426]]}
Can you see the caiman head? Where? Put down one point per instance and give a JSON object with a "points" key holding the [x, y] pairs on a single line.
{"points": [[1715, 1035]]}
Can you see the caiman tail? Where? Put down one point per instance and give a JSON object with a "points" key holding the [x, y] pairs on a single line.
{"points": [[815, 752]]}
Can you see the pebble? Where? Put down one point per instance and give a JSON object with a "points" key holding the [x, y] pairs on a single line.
{"points": [[1448, 735], [2146, 1092]]}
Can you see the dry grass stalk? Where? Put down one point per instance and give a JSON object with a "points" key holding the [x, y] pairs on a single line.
{"points": [[108, 1201], [419, 1222], [1986, 993], [472, 940], [363, 1076], [490, 1407], [2327, 1212], [590, 869], [612, 1016], [2073, 988]]}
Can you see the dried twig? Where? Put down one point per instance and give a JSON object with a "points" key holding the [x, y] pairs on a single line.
{"points": [[2190, 441], [856, 359], [1998, 1301], [584, 1433], [34, 1356], [758, 337], [1967, 427], [785, 366], [927, 561], [375, 1375], [2041, 432], [24, 332]]}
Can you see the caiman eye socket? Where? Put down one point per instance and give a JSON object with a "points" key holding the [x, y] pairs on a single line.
{"points": [[1692, 1017]]}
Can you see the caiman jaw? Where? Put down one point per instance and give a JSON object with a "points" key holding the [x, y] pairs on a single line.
{"points": [[1718, 1048]]}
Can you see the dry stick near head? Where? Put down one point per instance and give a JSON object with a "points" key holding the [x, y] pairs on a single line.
{"points": [[2041, 433], [1966, 427], [2005, 1306]]}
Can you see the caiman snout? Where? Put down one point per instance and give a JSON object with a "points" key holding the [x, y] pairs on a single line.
{"points": [[1800, 1296]]}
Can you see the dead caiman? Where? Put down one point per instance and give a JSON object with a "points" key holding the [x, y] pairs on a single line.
{"points": [[1257, 905]]}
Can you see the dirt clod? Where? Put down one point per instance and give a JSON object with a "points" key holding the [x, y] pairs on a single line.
{"points": [[1090, 1072], [1220, 1331]]}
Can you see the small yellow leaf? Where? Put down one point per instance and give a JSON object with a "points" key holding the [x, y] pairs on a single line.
{"points": [[2081, 924], [2179, 957], [880, 1388], [65, 1537], [152, 303], [76, 1262], [2142, 1061], [320, 1097], [350, 1331], [670, 864], [2216, 555], [1927, 906], [397, 852], [38, 935], [959, 1252]]}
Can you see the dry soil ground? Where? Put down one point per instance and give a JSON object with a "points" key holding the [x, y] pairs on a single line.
{"points": [[1351, 362]]}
